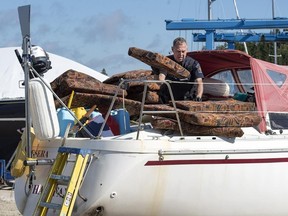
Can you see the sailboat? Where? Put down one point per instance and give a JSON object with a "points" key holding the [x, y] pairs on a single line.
{"points": [[152, 170]]}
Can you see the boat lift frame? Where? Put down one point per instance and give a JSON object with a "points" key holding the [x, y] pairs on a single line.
{"points": [[211, 26], [231, 38]]}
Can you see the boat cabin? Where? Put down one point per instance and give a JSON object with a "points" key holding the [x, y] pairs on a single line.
{"points": [[245, 74]]}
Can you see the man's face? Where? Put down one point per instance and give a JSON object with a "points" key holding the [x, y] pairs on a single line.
{"points": [[179, 51]]}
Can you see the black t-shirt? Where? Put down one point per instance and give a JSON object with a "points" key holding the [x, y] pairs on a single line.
{"points": [[188, 63]]}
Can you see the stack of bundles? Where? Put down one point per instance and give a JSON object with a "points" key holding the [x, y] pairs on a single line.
{"points": [[222, 118], [103, 102], [219, 118], [80, 82]]}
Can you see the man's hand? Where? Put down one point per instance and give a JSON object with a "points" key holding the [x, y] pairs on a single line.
{"points": [[162, 77]]}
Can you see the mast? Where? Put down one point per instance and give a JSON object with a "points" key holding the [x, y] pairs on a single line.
{"points": [[209, 9], [274, 30], [275, 43]]}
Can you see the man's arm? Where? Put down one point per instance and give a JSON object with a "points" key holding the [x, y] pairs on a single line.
{"points": [[161, 76], [199, 87]]}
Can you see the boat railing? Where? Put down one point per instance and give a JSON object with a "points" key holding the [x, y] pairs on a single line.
{"points": [[123, 83], [62, 103]]}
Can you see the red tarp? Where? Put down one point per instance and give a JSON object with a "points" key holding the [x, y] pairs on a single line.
{"points": [[269, 96]]}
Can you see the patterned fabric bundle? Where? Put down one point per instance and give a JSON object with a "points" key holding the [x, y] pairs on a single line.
{"points": [[212, 119], [159, 61], [129, 75], [195, 130], [151, 97], [216, 106], [220, 119], [103, 102], [80, 82]]}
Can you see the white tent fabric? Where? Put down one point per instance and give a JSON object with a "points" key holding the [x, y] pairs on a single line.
{"points": [[12, 75]]}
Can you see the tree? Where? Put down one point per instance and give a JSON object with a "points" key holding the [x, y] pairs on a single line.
{"points": [[104, 72], [262, 50], [222, 47]]}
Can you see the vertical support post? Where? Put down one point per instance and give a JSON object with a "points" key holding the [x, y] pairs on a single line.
{"points": [[210, 39], [274, 30], [231, 45], [26, 56], [24, 18]]}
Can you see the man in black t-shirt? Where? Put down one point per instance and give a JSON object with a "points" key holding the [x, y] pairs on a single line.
{"points": [[181, 91]]}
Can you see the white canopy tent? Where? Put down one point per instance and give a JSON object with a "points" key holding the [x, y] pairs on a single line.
{"points": [[12, 75]]}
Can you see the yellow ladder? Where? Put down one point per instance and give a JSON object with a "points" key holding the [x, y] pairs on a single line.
{"points": [[56, 178]]}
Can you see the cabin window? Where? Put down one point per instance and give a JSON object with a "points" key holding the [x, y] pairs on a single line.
{"points": [[226, 76], [245, 77], [278, 120], [277, 77]]}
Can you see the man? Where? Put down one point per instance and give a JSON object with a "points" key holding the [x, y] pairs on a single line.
{"points": [[181, 91]]}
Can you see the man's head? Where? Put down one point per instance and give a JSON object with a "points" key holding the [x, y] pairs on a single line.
{"points": [[179, 49]]}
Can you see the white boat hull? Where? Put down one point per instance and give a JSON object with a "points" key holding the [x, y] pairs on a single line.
{"points": [[170, 176]]}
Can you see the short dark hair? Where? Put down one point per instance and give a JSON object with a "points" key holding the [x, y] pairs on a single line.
{"points": [[179, 40]]}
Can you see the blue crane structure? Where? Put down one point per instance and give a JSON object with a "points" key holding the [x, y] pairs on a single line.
{"points": [[231, 38], [211, 26]]}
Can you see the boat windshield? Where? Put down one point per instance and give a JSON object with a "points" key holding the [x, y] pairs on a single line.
{"points": [[238, 80]]}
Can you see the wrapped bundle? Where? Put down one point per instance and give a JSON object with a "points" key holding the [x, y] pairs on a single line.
{"points": [[139, 87], [215, 87], [195, 130], [159, 61], [215, 106], [151, 97], [80, 82], [103, 102], [227, 119], [134, 74], [220, 119]]}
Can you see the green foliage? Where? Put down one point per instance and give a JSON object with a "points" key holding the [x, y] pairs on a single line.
{"points": [[222, 47], [265, 51]]}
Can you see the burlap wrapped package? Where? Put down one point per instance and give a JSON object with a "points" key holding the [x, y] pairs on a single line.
{"points": [[159, 61], [80, 82], [215, 106], [195, 130], [129, 75], [103, 102]]}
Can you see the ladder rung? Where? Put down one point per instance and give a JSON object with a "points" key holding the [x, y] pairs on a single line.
{"points": [[74, 150], [60, 177], [56, 177], [51, 205]]}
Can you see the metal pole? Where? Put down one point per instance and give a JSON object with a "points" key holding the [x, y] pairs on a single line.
{"points": [[275, 43], [210, 34], [26, 56], [241, 30], [24, 18], [209, 10]]}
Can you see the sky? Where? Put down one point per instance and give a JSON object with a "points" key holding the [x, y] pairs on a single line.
{"points": [[98, 33]]}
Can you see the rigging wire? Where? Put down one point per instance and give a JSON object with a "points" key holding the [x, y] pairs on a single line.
{"points": [[238, 17]]}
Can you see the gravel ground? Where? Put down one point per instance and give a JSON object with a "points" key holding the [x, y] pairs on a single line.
{"points": [[7, 203]]}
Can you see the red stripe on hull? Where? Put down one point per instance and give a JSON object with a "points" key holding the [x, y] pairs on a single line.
{"points": [[216, 161]]}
